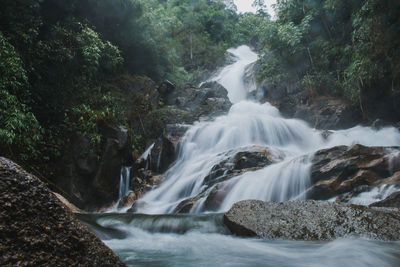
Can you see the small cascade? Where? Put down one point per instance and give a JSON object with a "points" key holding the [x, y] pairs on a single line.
{"points": [[146, 154], [159, 160], [124, 182]]}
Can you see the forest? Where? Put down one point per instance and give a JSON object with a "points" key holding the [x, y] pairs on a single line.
{"points": [[61, 62]]}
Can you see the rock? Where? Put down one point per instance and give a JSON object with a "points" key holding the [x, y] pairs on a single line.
{"points": [[166, 88], [240, 160], [161, 156], [127, 201], [191, 102], [378, 124], [342, 169], [395, 178], [144, 181], [328, 113], [174, 132], [36, 229], [68, 204], [115, 132], [325, 134], [88, 175], [391, 201], [311, 220], [235, 162], [249, 79]]}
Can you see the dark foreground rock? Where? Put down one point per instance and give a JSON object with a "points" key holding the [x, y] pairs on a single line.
{"points": [[311, 220], [36, 229]]}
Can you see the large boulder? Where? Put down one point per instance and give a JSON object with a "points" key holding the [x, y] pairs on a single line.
{"points": [[311, 220], [36, 229], [193, 103], [342, 169], [241, 160]]}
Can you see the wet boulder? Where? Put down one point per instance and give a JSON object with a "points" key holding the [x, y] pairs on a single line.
{"points": [[127, 201], [311, 220], [240, 160], [342, 169], [193, 103], [36, 229], [220, 179]]}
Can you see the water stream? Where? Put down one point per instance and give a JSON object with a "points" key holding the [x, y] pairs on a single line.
{"points": [[199, 239]]}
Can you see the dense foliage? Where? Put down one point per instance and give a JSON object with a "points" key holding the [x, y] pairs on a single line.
{"points": [[344, 48], [60, 62]]}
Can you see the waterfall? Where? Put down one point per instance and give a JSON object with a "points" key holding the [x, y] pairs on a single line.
{"points": [[248, 123], [232, 76], [124, 182]]}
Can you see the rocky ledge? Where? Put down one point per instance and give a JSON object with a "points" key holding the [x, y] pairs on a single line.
{"points": [[311, 220], [36, 229]]}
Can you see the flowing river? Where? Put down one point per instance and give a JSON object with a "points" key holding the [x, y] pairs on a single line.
{"points": [[157, 237]]}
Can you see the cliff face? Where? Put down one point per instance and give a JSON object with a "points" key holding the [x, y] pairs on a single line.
{"points": [[36, 229]]}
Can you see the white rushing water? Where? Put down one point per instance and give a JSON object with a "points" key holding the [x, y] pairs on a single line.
{"points": [[201, 240], [232, 75], [248, 123], [124, 182]]}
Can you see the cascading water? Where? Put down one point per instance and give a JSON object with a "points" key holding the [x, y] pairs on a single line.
{"points": [[248, 123], [200, 239], [124, 182], [231, 77]]}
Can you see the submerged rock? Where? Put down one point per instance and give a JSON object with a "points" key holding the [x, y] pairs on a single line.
{"points": [[36, 229], [311, 220]]}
